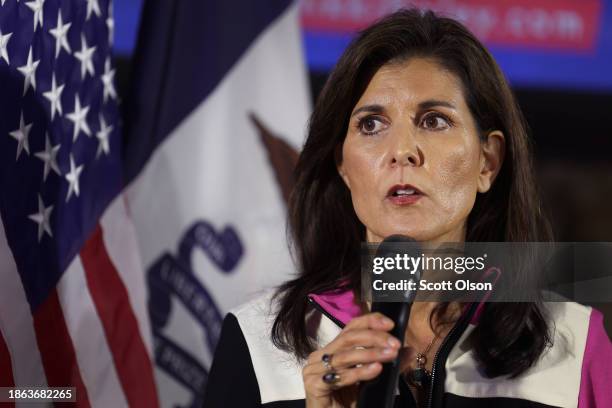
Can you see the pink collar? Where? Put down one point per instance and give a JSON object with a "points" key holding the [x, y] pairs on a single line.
{"points": [[340, 304]]}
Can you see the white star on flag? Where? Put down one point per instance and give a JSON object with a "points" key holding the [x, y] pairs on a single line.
{"points": [[92, 5], [49, 157], [79, 118], [37, 8], [60, 33], [29, 72], [85, 56], [107, 80], [55, 97], [42, 218], [73, 179], [102, 136], [110, 23], [4, 39], [21, 135]]}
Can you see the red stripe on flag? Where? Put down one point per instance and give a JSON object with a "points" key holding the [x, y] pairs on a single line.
{"points": [[6, 367], [111, 299], [6, 370], [56, 349]]}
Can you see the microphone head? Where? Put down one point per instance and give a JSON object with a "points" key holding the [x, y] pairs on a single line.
{"points": [[401, 245], [399, 238]]}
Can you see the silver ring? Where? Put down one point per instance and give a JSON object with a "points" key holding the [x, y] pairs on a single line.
{"points": [[331, 378], [327, 362]]}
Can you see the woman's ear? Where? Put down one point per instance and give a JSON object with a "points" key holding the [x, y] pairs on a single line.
{"points": [[493, 149]]}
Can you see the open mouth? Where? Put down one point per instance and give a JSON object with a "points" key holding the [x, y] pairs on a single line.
{"points": [[404, 194], [403, 190]]}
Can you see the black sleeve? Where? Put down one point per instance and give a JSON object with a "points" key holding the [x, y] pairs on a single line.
{"points": [[232, 381]]}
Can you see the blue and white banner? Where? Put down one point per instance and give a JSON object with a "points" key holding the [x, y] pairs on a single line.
{"points": [[218, 113]]}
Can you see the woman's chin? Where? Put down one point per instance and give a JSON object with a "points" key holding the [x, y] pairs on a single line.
{"points": [[410, 232]]}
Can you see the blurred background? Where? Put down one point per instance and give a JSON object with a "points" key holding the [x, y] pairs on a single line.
{"points": [[557, 56]]}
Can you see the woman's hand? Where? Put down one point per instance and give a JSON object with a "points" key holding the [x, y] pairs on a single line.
{"points": [[354, 355]]}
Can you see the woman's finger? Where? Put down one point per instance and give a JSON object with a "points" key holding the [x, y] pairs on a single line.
{"points": [[362, 356], [363, 338], [322, 385], [351, 358], [375, 320]]}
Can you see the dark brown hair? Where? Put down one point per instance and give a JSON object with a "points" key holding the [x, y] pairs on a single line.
{"points": [[326, 233]]}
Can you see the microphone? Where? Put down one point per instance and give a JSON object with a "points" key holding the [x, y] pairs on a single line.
{"points": [[380, 391]]}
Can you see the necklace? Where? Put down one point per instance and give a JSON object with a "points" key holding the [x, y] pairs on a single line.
{"points": [[420, 376]]}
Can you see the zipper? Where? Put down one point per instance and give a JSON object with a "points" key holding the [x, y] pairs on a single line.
{"points": [[326, 313], [463, 323]]}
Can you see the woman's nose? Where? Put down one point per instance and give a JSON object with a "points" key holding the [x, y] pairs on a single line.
{"points": [[406, 151]]}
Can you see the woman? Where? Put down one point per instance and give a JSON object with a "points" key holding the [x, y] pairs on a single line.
{"points": [[416, 133]]}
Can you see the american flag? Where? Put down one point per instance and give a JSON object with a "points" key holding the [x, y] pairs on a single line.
{"points": [[72, 291]]}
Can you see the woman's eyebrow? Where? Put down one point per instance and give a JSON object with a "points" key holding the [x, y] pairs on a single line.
{"points": [[432, 103], [428, 104], [369, 108]]}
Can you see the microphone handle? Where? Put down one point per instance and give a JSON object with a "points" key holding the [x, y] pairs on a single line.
{"points": [[380, 391]]}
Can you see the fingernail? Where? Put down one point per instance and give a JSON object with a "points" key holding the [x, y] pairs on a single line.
{"points": [[387, 350], [386, 321], [393, 342], [371, 366]]}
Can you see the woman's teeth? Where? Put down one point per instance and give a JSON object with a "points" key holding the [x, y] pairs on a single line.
{"points": [[404, 192]]}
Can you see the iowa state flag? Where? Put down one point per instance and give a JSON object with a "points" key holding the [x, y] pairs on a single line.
{"points": [[219, 109]]}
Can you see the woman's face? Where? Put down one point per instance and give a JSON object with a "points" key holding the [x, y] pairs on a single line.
{"points": [[412, 158]]}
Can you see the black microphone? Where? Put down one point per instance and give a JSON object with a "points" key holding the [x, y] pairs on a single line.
{"points": [[380, 391]]}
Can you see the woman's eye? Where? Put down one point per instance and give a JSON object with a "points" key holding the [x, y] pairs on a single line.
{"points": [[435, 122], [370, 125]]}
